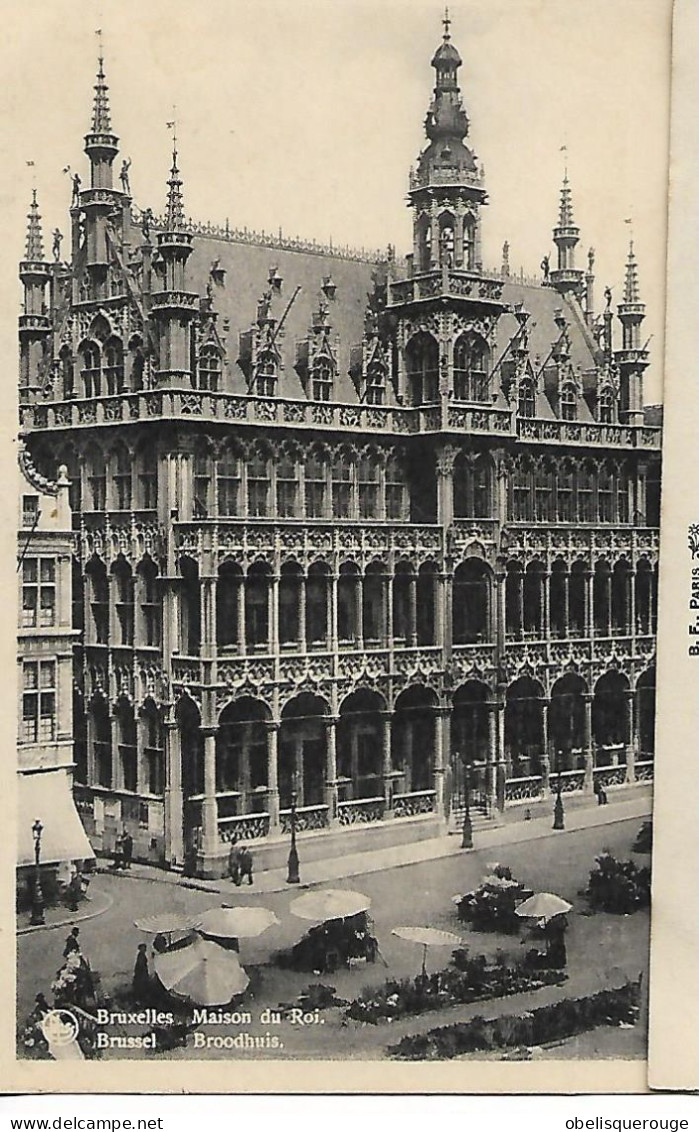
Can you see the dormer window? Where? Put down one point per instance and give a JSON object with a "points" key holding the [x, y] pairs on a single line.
{"points": [[266, 376], [91, 371], [114, 366], [209, 369], [322, 379], [526, 403], [605, 407], [375, 384], [568, 403]]}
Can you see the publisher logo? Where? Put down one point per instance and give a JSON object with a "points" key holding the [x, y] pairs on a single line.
{"points": [[60, 1027]]}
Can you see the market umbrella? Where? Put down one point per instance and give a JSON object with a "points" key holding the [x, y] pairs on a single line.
{"points": [[203, 973], [163, 923], [542, 906], [235, 923], [329, 904], [428, 937]]}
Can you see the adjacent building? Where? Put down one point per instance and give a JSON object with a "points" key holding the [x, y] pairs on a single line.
{"points": [[348, 530]]}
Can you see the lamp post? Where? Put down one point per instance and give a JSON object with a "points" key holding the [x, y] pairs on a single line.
{"points": [[37, 916], [558, 812], [292, 876]]}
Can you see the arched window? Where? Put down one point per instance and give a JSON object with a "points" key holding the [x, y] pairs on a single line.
{"points": [[65, 360], [100, 733], [395, 489], [342, 486], [227, 481], [287, 486], [565, 494], [376, 384], [121, 463], [471, 487], [317, 593], [257, 585], [153, 753], [322, 379], [422, 363], [98, 590], [291, 584], [526, 401], [126, 737], [470, 368], [587, 512], [368, 481], [147, 477], [446, 239], [258, 484], [209, 368], [90, 369], [522, 506], [568, 403], [606, 407], [543, 492], [97, 478], [148, 603], [605, 494], [316, 486], [124, 604], [469, 243], [266, 375], [202, 484], [114, 366], [424, 243]]}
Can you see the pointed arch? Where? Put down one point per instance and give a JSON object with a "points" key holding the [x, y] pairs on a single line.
{"points": [[471, 365], [422, 367]]}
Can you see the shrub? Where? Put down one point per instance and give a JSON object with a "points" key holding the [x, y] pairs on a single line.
{"points": [[644, 839], [491, 906], [618, 886]]}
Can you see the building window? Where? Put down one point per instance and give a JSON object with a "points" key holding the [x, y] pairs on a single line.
{"points": [[526, 404], [471, 487], [376, 384], [128, 756], [209, 369], [266, 376], [470, 368], [148, 479], [569, 403], [521, 495], [258, 486], [322, 379], [91, 372], [422, 364], [605, 490], [606, 407], [153, 750], [97, 480], [227, 482], [123, 581], [368, 476], [202, 485], [287, 487], [101, 733], [38, 593], [316, 486], [39, 701], [395, 488], [96, 573], [565, 494], [114, 366], [342, 486], [586, 495], [147, 573], [30, 510], [543, 495], [122, 479]]}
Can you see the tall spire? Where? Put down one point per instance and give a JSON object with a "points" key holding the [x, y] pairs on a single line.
{"points": [[174, 212], [566, 235], [631, 291], [101, 123], [35, 246], [565, 212]]}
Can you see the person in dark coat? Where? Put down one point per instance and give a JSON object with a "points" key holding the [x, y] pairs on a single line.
{"points": [[126, 848], [556, 942], [234, 863], [119, 851], [72, 943], [141, 975], [245, 864]]}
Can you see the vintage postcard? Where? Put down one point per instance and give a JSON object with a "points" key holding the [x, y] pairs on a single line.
{"points": [[339, 443]]}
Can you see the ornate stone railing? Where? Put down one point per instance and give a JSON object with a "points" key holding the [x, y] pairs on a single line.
{"points": [[572, 781], [450, 175], [244, 827], [361, 811], [414, 803], [434, 284], [307, 817], [587, 432], [644, 771], [610, 775], [524, 789], [479, 418], [229, 537], [531, 540]]}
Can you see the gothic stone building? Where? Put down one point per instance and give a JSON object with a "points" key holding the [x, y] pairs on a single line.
{"points": [[344, 526]]}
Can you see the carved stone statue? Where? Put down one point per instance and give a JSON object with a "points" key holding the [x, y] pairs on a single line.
{"points": [[545, 267], [124, 177], [146, 217], [76, 189], [57, 237], [608, 297]]}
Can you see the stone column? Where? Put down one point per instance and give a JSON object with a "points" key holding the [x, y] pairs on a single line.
{"points": [[240, 598], [445, 485], [500, 621], [630, 604], [544, 625], [273, 775], [520, 602], [441, 748], [632, 745], [331, 788], [500, 769], [387, 607], [386, 761], [298, 770], [589, 605], [359, 612], [273, 614], [491, 768], [565, 576], [608, 610], [545, 756], [588, 751], [302, 615], [209, 805], [115, 734], [174, 798], [331, 634]]}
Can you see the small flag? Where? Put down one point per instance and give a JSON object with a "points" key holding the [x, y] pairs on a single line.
{"points": [[67, 169], [564, 149], [30, 164], [170, 125]]}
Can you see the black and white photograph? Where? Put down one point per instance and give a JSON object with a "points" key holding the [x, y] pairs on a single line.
{"points": [[339, 434]]}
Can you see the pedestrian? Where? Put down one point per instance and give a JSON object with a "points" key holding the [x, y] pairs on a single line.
{"points": [[234, 863], [126, 848], [72, 943], [602, 798], [141, 976], [118, 851], [245, 865]]}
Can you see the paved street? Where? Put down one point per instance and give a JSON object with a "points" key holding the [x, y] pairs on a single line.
{"points": [[602, 949]]}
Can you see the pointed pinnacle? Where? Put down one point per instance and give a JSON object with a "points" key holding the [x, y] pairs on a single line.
{"points": [[174, 212], [35, 246], [631, 291], [565, 215], [101, 123]]}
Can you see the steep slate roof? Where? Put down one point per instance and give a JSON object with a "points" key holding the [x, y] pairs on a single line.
{"points": [[247, 267]]}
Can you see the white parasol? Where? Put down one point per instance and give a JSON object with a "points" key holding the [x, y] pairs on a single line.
{"points": [[235, 923], [428, 937], [543, 906], [330, 904], [203, 973], [164, 923]]}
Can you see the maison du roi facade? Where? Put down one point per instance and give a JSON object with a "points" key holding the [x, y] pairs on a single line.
{"points": [[342, 525]]}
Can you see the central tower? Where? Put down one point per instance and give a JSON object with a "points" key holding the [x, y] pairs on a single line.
{"points": [[446, 188]]}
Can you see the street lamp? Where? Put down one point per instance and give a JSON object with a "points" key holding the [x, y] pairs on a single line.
{"points": [[292, 876], [37, 916], [558, 812], [467, 831]]}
